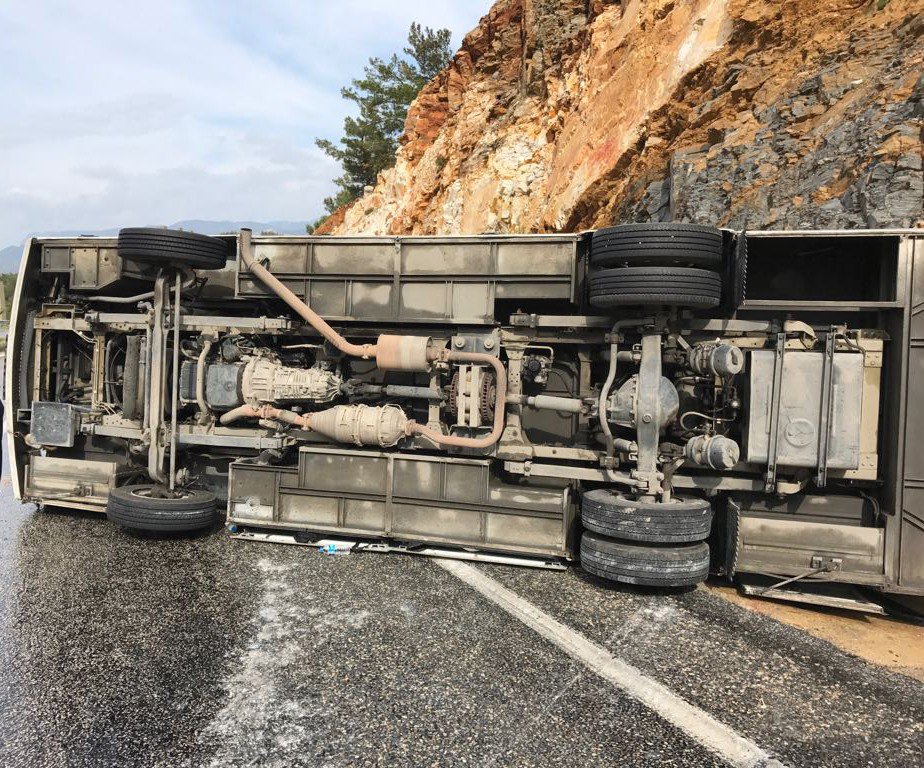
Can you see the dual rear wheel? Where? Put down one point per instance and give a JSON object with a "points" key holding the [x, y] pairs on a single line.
{"points": [[634, 541], [655, 264]]}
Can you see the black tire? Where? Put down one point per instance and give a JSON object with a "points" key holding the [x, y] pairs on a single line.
{"points": [[671, 286], [637, 245], [170, 246], [22, 358], [679, 521], [679, 566], [130, 377], [133, 506]]}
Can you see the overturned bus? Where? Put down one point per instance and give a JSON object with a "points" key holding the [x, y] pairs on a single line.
{"points": [[657, 401]]}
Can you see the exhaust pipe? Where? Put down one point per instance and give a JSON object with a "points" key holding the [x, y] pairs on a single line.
{"points": [[390, 352]]}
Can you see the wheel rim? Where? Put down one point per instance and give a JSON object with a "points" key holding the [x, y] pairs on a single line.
{"points": [[145, 493]]}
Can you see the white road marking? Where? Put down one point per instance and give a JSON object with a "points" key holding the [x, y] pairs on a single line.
{"points": [[260, 723], [699, 725]]}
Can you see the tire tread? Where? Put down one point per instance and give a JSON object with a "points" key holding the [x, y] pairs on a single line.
{"points": [[677, 566], [681, 286], [613, 515], [160, 515], [166, 246], [657, 244]]}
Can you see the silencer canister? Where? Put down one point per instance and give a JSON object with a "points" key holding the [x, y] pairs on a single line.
{"points": [[402, 353]]}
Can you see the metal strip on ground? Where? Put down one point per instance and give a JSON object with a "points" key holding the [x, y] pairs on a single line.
{"points": [[346, 546], [697, 724]]}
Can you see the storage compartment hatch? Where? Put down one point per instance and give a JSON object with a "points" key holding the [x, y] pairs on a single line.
{"points": [[449, 500]]}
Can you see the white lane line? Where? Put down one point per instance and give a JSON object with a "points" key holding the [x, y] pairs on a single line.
{"points": [[699, 725]]}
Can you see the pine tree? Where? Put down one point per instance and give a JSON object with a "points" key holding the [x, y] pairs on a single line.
{"points": [[383, 96]]}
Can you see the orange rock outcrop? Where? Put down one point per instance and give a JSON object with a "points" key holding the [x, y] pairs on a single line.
{"points": [[571, 114]]}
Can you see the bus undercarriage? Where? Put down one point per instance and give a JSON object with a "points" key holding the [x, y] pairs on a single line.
{"points": [[658, 401]]}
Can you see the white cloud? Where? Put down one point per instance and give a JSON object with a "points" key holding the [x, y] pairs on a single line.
{"points": [[126, 112]]}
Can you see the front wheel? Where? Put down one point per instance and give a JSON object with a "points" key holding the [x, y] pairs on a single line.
{"points": [[171, 247], [150, 507]]}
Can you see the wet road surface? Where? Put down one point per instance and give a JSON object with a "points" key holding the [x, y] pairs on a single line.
{"points": [[117, 649]]}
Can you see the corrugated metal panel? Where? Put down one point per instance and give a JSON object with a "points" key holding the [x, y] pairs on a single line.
{"points": [[416, 279], [450, 500]]}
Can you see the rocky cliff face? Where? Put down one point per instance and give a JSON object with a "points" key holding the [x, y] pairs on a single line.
{"points": [[561, 115]]}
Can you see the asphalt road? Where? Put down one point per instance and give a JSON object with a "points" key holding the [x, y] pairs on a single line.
{"points": [[119, 650]]}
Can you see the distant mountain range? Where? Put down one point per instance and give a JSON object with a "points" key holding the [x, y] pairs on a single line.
{"points": [[9, 256]]}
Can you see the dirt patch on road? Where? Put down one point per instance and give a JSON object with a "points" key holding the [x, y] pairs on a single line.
{"points": [[893, 643]]}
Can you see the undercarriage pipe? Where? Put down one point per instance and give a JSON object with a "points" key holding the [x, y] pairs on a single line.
{"points": [[266, 412], [301, 308], [397, 352], [455, 441], [189, 279]]}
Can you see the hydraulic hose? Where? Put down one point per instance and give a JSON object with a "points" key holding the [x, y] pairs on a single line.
{"points": [[301, 308]]}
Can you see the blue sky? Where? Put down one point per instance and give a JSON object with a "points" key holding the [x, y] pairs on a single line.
{"points": [[121, 113]]}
